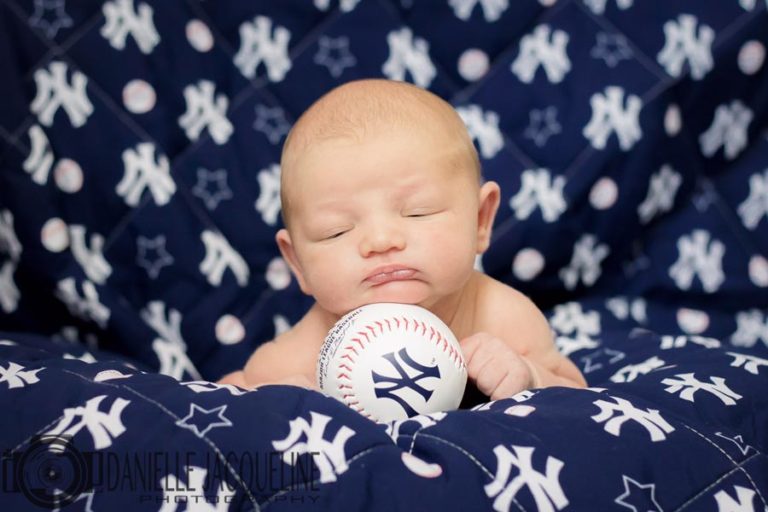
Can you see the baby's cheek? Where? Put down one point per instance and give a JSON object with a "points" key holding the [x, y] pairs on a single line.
{"points": [[454, 251], [331, 285]]}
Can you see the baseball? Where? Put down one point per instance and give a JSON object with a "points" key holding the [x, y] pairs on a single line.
{"points": [[391, 362], [473, 64], [139, 97], [199, 36], [603, 194], [68, 176], [527, 264], [751, 57], [229, 330], [55, 235]]}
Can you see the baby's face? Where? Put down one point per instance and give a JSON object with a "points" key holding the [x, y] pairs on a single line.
{"points": [[392, 218]]}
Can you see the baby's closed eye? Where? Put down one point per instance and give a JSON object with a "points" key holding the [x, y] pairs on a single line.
{"points": [[421, 212], [335, 234], [322, 234]]}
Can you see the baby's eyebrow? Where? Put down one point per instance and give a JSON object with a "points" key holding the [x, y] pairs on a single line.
{"points": [[426, 188], [415, 183], [411, 188], [331, 205], [327, 211]]}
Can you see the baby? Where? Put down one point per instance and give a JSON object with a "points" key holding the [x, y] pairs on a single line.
{"points": [[383, 202]]}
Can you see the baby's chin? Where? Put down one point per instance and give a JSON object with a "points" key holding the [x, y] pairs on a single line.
{"points": [[401, 292]]}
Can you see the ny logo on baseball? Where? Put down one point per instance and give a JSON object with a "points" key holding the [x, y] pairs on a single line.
{"points": [[392, 361], [405, 381]]}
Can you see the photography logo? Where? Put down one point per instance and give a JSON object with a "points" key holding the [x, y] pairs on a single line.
{"points": [[51, 473]]}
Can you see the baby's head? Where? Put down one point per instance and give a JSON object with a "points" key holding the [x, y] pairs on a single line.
{"points": [[367, 108], [381, 176]]}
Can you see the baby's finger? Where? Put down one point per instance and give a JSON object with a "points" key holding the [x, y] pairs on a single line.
{"points": [[520, 376], [513, 383], [471, 343], [479, 361], [488, 377]]}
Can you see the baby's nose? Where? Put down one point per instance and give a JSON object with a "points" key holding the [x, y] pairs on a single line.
{"points": [[381, 239]]}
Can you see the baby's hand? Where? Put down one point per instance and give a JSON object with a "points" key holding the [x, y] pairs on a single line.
{"points": [[495, 368]]}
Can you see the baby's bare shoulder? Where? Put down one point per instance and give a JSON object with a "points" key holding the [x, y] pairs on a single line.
{"points": [[513, 317], [292, 352], [507, 313], [495, 296]]}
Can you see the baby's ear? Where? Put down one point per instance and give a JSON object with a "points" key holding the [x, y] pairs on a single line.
{"points": [[284, 243], [488, 204]]}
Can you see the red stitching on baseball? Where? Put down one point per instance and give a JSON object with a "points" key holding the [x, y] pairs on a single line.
{"points": [[447, 348], [453, 354]]}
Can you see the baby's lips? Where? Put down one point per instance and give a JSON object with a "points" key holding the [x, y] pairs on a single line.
{"points": [[401, 274]]}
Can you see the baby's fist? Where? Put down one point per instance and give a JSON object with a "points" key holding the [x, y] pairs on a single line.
{"points": [[495, 368]]}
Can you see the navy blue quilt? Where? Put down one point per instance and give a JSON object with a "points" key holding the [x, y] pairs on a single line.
{"points": [[139, 198]]}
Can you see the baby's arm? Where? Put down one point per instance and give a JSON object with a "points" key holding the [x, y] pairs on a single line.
{"points": [[238, 379], [514, 350], [288, 359], [271, 363]]}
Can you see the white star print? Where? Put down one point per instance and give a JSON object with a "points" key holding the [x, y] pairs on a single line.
{"points": [[738, 441], [50, 17], [643, 492], [611, 48], [152, 255], [211, 187], [334, 54], [271, 122], [209, 418], [543, 124]]}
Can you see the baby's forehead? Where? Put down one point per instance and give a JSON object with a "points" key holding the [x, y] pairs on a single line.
{"points": [[416, 143], [361, 109], [420, 137], [356, 123]]}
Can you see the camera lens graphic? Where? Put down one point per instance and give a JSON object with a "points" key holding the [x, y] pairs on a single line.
{"points": [[51, 472]]}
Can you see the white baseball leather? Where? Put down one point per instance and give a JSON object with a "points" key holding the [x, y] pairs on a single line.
{"points": [[391, 361]]}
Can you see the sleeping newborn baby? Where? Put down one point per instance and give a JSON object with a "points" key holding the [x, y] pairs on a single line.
{"points": [[383, 201]]}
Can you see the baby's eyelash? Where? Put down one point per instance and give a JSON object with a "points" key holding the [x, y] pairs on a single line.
{"points": [[334, 235], [424, 213]]}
